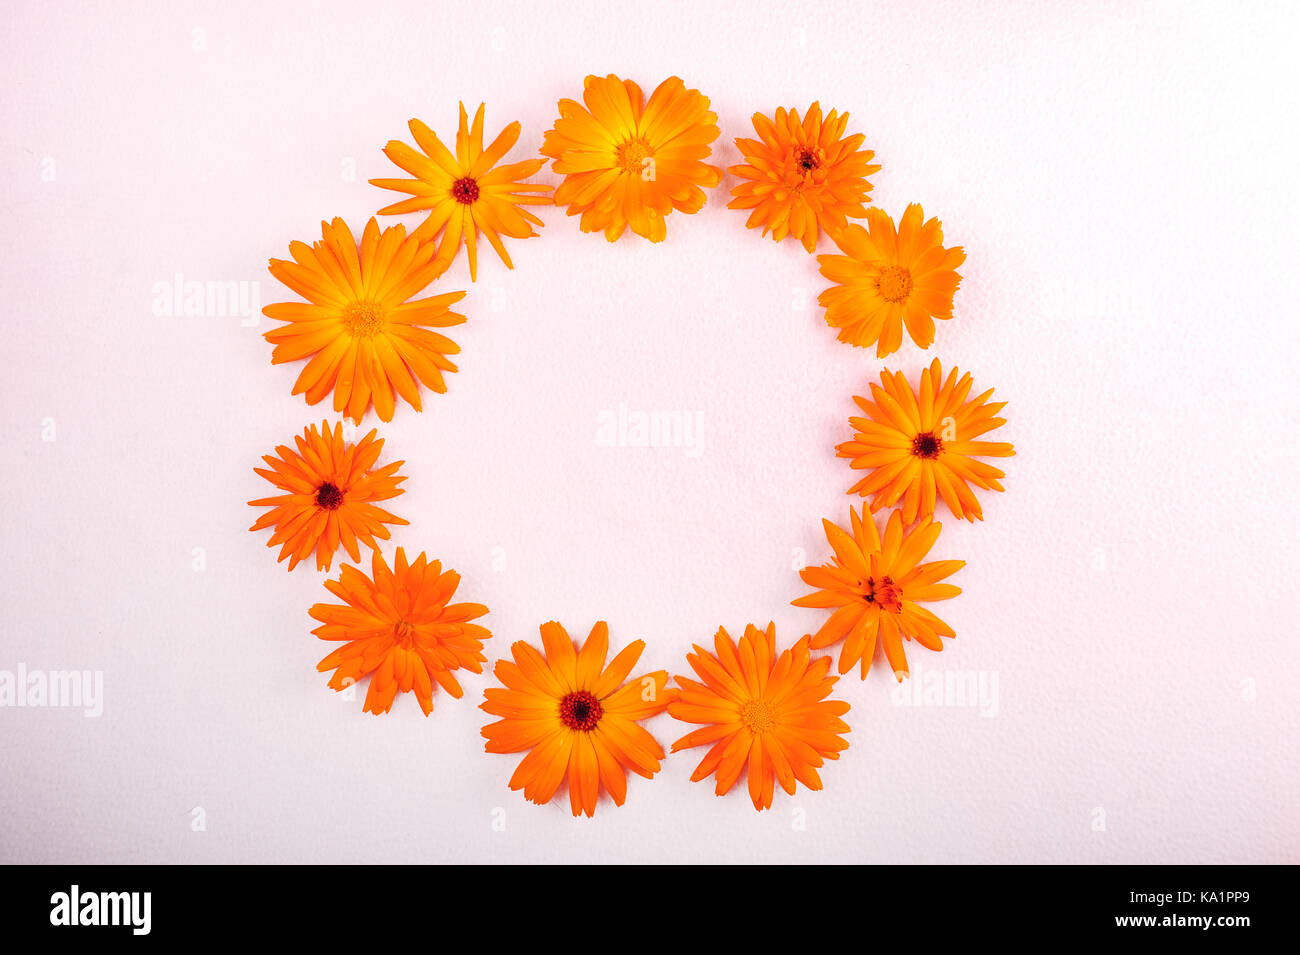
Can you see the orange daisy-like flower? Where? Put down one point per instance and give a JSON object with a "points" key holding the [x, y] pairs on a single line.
{"points": [[330, 494], [802, 175], [468, 193], [400, 631], [576, 718], [876, 588], [887, 279], [629, 162], [364, 338], [766, 713], [920, 446]]}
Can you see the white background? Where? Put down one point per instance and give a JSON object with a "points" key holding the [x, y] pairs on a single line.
{"points": [[1122, 178]]}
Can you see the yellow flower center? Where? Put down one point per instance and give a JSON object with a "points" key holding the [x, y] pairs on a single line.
{"points": [[758, 716], [631, 155], [894, 284], [363, 319]]}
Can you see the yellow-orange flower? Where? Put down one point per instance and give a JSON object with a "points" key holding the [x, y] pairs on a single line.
{"points": [[364, 338], [330, 494], [802, 174], [631, 162], [468, 193], [876, 589], [576, 718], [399, 630], [762, 714], [920, 446], [887, 279]]}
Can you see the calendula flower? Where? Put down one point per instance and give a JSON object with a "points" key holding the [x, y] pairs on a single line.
{"points": [[330, 492], [802, 175], [398, 628], [920, 446], [631, 162], [763, 714], [365, 338], [887, 279], [468, 193], [876, 589], [575, 717]]}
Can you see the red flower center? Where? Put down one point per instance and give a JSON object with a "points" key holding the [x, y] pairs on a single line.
{"points": [[807, 159], [581, 711], [464, 191], [927, 445], [329, 497], [884, 593]]}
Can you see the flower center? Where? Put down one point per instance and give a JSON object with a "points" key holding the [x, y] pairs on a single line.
{"points": [[927, 445], [807, 159], [894, 284], [581, 711], [329, 497], [363, 319], [631, 155], [758, 716], [465, 191], [884, 593], [404, 633]]}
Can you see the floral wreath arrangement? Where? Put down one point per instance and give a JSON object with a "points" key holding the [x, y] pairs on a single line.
{"points": [[626, 162]]}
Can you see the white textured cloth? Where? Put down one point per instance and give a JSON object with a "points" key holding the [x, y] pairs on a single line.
{"points": [[1122, 180]]}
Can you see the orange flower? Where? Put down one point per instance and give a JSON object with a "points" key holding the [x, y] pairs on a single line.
{"points": [[918, 446], [803, 174], [760, 711], [889, 279], [331, 495], [468, 193], [364, 338], [875, 587], [631, 162], [576, 718], [399, 629]]}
